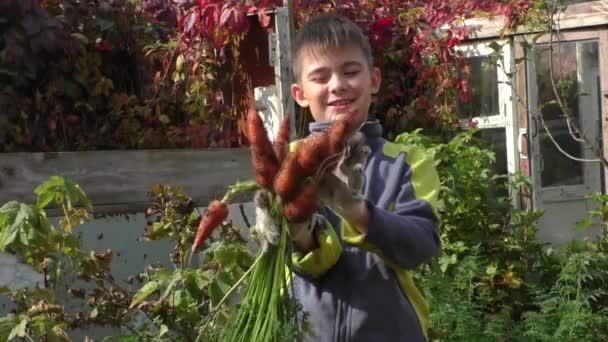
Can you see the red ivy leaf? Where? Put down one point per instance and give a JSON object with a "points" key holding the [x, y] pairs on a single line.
{"points": [[210, 15], [423, 103], [227, 15], [381, 31]]}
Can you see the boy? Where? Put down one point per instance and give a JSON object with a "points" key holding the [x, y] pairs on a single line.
{"points": [[377, 218]]}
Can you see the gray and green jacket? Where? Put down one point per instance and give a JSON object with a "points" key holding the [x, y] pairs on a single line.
{"points": [[356, 287]]}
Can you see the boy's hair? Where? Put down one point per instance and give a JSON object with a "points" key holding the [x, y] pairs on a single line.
{"points": [[326, 31]]}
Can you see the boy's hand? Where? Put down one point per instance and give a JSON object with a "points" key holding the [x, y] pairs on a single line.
{"points": [[268, 228], [265, 225], [343, 190]]}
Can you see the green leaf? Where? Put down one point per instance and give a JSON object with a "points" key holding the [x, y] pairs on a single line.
{"points": [[7, 324], [4, 290], [495, 46], [60, 190], [104, 24], [491, 270], [163, 330], [203, 279], [94, 313], [144, 293], [219, 287], [584, 224], [14, 218], [446, 260], [76, 195], [174, 280], [80, 37], [48, 191], [44, 199], [18, 330]]}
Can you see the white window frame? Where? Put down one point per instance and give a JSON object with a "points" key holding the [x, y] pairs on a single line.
{"points": [[506, 117]]}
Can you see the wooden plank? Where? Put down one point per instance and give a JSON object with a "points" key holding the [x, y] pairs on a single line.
{"points": [[566, 36], [604, 94], [576, 16], [521, 98], [118, 181], [283, 73]]}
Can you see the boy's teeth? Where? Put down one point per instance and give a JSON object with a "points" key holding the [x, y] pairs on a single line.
{"points": [[340, 103]]}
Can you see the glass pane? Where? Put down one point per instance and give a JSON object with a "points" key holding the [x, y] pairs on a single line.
{"points": [[484, 90], [495, 140], [557, 169]]}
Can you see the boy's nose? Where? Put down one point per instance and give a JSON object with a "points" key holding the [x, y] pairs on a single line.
{"points": [[337, 84]]}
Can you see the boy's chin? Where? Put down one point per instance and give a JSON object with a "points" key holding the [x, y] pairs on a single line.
{"points": [[342, 116]]}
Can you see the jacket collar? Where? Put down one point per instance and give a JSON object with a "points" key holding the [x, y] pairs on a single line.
{"points": [[371, 128]]}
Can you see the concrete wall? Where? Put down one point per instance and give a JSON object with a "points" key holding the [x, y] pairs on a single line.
{"points": [[16, 275]]}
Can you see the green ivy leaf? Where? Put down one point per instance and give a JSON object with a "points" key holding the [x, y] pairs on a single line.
{"points": [[144, 293]]}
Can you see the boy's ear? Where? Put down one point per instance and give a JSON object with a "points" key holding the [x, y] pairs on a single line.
{"points": [[298, 95], [376, 80]]}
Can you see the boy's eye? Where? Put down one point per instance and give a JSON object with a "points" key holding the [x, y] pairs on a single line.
{"points": [[351, 72], [319, 78]]}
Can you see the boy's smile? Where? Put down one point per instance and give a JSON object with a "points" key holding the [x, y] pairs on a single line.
{"points": [[335, 83]]}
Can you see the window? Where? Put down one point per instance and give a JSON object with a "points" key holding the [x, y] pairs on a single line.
{"points": [[483, 82], [491, 107], [576, 77]]}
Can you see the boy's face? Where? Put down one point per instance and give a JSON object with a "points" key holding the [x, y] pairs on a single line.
{"points": [[335, 83]]}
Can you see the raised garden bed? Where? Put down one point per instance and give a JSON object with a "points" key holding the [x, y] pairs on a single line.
{"points": [[118, 181]]}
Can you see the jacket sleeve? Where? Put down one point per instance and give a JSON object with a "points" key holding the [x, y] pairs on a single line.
{"points": [[321, 259], [408, 234], [329, 247]]}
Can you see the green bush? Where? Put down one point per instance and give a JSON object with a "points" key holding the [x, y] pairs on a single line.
{"points": [[495, 280]]}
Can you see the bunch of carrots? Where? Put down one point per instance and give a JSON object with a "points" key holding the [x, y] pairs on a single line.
{"points": [[267, 311]]}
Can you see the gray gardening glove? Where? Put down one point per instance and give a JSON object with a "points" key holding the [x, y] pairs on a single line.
{"points": [[342, 191], [267, 227]]}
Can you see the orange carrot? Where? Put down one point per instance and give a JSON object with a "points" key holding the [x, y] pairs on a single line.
{"points": [[311, 152], [281, 147], [337, 136], [216, 213], [265, 168], [265, 163], [288, 178], [303, 205]]}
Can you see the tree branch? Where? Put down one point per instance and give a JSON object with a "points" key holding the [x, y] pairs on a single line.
{"points": [[572, 126]]}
